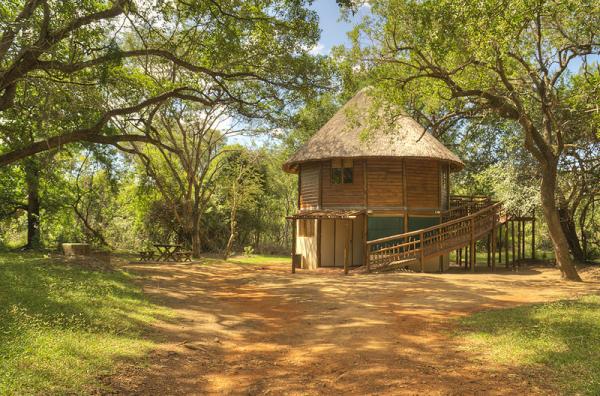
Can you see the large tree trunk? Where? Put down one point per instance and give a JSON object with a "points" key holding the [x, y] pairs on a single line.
{"points": [[568, 226], [559, 240], [32, 178], [196, 242]]}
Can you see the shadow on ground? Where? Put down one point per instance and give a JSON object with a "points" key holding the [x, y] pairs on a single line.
{"points": [[248, 329]]}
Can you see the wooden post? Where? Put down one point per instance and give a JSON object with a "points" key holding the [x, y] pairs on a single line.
{"points": [[421, 258], [346, 250], [488, 248], [533, 236], [494, 236], [499, 243], [524, 234], [518, 240], [472, 248], [506, 243], [512, 241], [293, 246], [367, 253], [318, 242]]}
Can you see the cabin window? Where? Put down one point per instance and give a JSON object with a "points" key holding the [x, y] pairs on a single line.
{"points": [[342, 171], [306, 228]]}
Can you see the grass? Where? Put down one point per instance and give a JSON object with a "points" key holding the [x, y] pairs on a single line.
{"points": [[563, 336], [260, 259], [62, 326]]}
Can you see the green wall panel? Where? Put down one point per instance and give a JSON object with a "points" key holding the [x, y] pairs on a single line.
{"points": [[417, 223], [381, 227]]}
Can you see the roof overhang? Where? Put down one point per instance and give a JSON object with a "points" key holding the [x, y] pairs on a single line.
{"points": [[326, 214]]}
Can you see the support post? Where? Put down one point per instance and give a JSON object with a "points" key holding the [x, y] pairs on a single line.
{"points": [[506, 243], [523, 247], [473, 253], [366, 253], [421, 258], [499, 243], [494, 236], [533, 236], [519, 222], [488, 248], [512, 242], [346, 250], [293, 246]]}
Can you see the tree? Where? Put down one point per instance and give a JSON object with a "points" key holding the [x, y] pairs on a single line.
{"points": [[468, 60], [185, 176], [243, 184], [131, 55]]}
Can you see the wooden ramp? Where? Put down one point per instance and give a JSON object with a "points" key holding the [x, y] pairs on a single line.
{"points": [[470, 224]]}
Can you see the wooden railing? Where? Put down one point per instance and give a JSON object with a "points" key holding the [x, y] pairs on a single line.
{"points": [[436, 240]]}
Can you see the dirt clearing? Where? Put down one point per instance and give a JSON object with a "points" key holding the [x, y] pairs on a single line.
{"points": [[258, 330]]}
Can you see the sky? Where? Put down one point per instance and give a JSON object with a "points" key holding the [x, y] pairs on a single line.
{"points": [[333, 33], [333, 28]]}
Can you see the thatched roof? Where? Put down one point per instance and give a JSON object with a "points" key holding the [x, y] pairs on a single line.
{"points": [[353, 133]]}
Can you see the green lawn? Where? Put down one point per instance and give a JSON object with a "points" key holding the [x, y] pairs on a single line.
{"points": [[563, 336], [63, 326], [261, 259]]}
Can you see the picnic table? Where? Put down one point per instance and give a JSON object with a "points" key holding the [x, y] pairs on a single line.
{"points": [[167, 252]]}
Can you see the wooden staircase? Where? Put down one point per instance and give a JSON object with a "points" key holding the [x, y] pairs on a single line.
{"points": [[469, 219]]}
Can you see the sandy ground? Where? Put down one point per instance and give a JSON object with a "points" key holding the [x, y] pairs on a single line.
{"points": [[258, 330]]}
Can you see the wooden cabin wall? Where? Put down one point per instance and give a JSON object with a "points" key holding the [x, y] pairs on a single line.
{"points": [[309, 185], [306, 243], [422, 183], [343, 195], [384, 183]]}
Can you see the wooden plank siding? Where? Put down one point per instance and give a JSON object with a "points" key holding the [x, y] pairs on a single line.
{"points": [[422, 183], [343, 195], [309, 185], [384, 183], [391, 184]]}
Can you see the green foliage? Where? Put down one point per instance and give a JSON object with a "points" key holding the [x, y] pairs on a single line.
{"points": [[562, 336], [248, 251], [62, 326]]}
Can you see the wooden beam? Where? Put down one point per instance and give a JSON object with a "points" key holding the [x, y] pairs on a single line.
{"points": [[346, 248], [488, 248], [366, 257], [494, 236], [512, 242], [319, 242], [351, 242], [506, 243], [519, 240], [533, 237], [499, 242], [472, 248], [422, 254], [334, 238], [523, 251], [293, 245]]}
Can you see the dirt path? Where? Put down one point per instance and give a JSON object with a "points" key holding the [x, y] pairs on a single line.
{"points": [[258, 330]]}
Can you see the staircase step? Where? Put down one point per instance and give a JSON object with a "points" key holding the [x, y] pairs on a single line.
{"points": [[399, 265]]}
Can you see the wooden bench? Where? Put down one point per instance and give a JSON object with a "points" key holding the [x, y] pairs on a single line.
{"points": [[146, 255], [184, 255]]}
